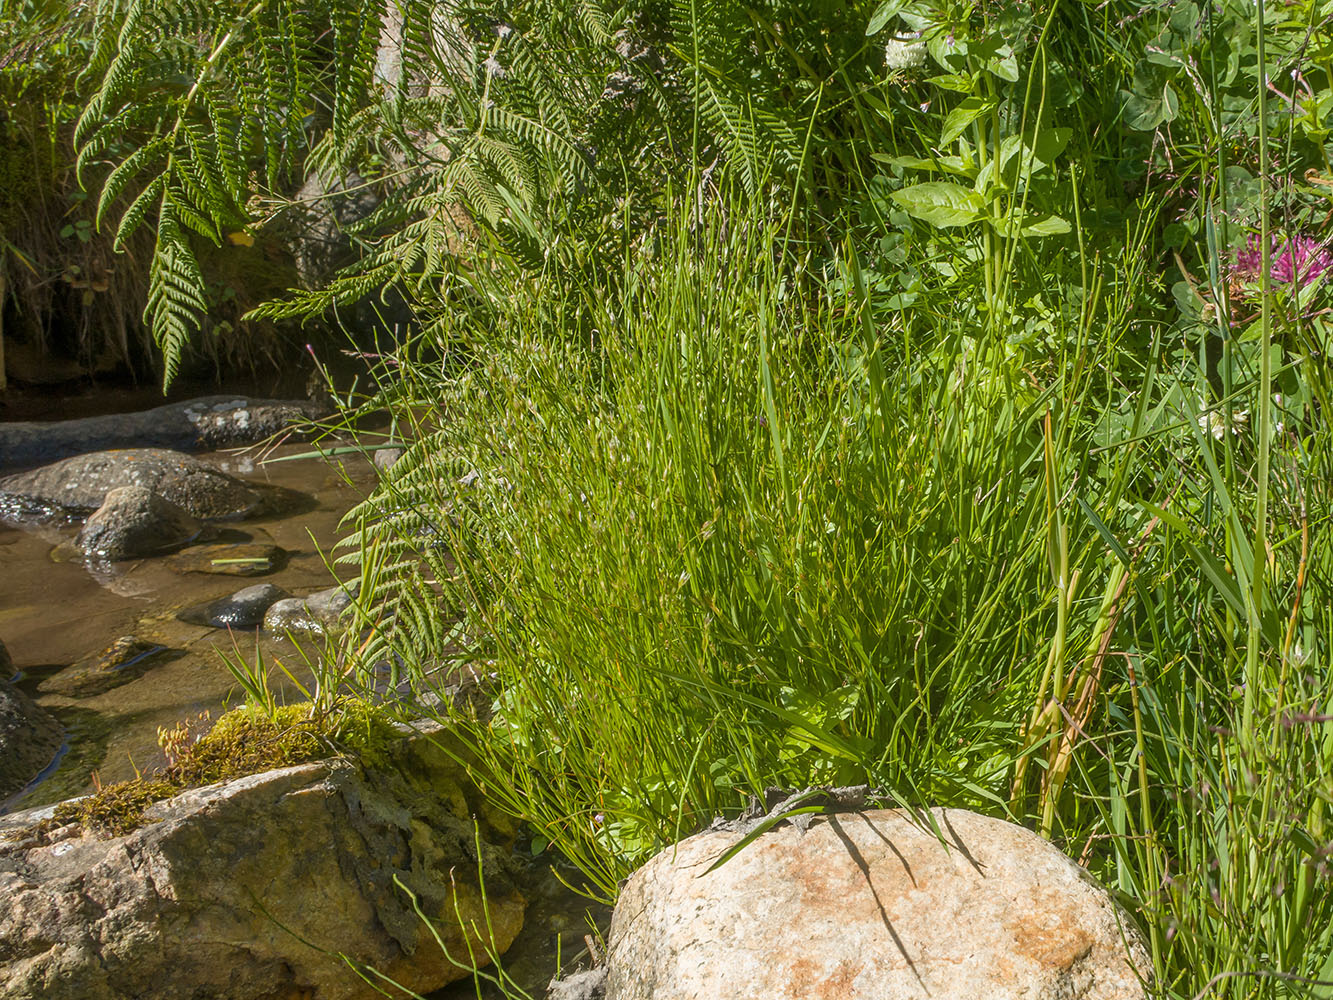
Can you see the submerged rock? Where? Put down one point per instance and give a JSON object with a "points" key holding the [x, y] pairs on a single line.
{"points": [[77, 486], [230, 559], [872, 905], [117, 664], [252, 888], [199, 424], [243, 609], [29, 740], [134, 522]]}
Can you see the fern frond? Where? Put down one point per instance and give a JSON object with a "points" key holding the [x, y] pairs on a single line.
{"points": [[175, 297]]}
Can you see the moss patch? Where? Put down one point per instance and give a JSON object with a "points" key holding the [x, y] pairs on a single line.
{"points": [[116, 809], [244, 741]]}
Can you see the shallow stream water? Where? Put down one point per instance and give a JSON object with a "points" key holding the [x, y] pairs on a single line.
{"points": [[55, 612]]}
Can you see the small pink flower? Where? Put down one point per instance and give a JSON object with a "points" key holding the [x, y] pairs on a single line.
{"points": [[1299, 260]]}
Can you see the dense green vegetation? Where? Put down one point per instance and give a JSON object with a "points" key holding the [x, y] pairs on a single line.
{"points": [[927, 394]]}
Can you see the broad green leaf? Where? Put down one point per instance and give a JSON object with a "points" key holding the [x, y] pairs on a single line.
{"points": [[1051, 142], [887, 11], [941, 204], [962, 116], [1005, 66], [1143, 114], [1033, 225], [961, 83], [948, 164], [949, 52], [1170, 104], [1038, 153]]}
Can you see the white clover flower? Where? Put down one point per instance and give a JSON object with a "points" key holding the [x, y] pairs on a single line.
{"points": [[905, 53], [1215, 422], [493, 68]]}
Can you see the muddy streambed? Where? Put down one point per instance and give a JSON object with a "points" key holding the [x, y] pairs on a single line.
{"points": [[55, 612]]}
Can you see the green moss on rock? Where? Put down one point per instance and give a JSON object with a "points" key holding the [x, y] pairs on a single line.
{"points": [[244, 741], [115, 810]]}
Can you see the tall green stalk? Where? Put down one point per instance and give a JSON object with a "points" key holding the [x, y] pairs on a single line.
{"points": [[1263, 425]]}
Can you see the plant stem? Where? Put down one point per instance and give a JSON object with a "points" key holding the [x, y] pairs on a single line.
{"points": [[1264, 424]]}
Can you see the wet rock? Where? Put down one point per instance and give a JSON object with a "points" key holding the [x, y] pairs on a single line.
{"points": [[229, 422], [77, 486], [317, 613], [218, 895], [231, 559], [329, 605], [587, 985], [291, 615], [205, 423], [243, 609], [386, 458], [119, 663], [133, 522], [872, 905], [29, 740]]}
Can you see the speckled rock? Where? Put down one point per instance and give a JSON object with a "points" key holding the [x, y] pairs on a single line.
{"points": [[243, 609], [318, 613], [29, 739], [77, 486], [386, 458], [250, 890], [872, 905], [133, 522]]}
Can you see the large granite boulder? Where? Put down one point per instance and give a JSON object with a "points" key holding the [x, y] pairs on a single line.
{"points": [[254, 888], [29, 740], [78, 486], [134, 522], [200, 424], [872, 905]]}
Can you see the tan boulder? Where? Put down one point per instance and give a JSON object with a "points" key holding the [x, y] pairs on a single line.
{"points": [[254, 888], [872, 906]]}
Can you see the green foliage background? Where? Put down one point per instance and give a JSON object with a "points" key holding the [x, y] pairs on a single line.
{"points": [[907, 393]]}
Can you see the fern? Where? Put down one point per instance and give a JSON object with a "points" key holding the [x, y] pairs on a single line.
{"points": [[175, 287], [531, 118]]}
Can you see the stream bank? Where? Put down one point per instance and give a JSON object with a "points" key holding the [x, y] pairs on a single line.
{"points": [[60, 613], [114, 652]]}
